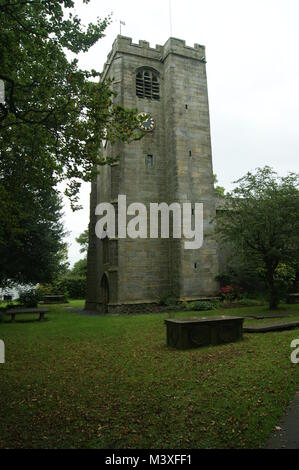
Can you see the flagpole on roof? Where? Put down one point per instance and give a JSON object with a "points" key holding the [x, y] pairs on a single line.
{"points": [[121, 23], [170, 18]]}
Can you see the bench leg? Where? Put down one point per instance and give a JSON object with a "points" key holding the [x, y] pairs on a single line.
{"points": [[13, 317], [42, 316]]}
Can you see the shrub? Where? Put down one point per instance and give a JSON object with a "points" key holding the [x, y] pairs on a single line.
{"points": [[230, 292], [2, 312], [73, 287], [186, 305], [29, 298], [44, 289], [238, 273], [201, 306], [285, 277], [168, 301], [245, 302]]}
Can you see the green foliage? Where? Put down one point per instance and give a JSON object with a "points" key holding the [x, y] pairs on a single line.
{"points": [[285, 275], [230, 292], [219, 191], [239, 271], [168, 301], [72, 283], [52, 124], [44, 289], [247, 302], [2, 312], [201, 306], [32, 248], [29, 298], [80, 268], [185, 305], [56, 115], [263, 223], [73, 287], [83, 241], [284, 279]]}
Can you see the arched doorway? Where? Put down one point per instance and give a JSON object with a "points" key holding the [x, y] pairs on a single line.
{"points": [[105, 293]]}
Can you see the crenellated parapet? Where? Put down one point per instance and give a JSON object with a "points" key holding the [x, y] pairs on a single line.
{"points": [[125, 45]]}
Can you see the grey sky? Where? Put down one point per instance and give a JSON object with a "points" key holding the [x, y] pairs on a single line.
{"points": [[253, 77]]}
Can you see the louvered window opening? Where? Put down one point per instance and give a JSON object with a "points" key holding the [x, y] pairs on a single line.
{"points": [[147, 85]]}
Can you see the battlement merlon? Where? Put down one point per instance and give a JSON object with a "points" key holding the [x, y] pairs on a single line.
{"points": [[124, 45]]}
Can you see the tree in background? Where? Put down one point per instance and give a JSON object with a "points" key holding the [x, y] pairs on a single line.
{"points": [[32, 247], [83, 241], [53, 109], [71, 282], [263, 224], [218, 190], [80, 267], [52, 123]]}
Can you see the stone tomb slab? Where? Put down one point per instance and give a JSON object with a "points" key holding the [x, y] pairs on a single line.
{"points": [[272, 328], [187, 333], [266, 316]]}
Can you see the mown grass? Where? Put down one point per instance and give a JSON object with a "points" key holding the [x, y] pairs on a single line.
{"points": [[79, 381]]}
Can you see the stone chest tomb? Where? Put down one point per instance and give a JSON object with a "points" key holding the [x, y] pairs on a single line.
{"points": [[187, 333]]}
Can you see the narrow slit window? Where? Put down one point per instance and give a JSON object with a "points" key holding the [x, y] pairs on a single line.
{"points": [[150, 161], [106, 250]]}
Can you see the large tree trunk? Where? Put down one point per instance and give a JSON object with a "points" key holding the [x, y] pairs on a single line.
{"points": [[273, 291]]}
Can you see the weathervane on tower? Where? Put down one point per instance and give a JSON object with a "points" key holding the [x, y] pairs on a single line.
{"points": [[121, 23]]}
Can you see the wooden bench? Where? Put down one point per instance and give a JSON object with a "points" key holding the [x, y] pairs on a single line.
{"points": [[25, 311]]}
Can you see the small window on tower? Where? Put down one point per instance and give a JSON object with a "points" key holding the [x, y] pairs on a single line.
{"points": [[149, 161], [105, 250], [147, 85]]}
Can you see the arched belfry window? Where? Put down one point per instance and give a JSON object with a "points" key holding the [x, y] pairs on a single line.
{"points": [[147, 84]]}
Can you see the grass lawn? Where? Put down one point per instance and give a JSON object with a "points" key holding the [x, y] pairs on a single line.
{"points": [[80, 381]]}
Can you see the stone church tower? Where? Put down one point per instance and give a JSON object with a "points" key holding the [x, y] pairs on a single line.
{"points": [[172, 163]]}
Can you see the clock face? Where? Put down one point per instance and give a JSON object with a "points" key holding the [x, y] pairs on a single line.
{"points": [[146, 122]]}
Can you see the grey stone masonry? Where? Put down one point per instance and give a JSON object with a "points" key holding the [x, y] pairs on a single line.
{"points": [[125, 272]]}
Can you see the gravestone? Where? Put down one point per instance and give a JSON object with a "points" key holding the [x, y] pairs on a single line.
{"points": [[55, 299]]}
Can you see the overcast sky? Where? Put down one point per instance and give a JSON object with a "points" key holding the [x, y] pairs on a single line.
{"points": [[252, 51]]}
